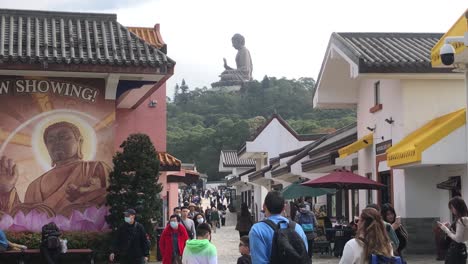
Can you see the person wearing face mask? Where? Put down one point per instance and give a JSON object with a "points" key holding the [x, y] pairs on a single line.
{"points": [[200, 250], [130, 244], [173, 241], [199, 219], [308, 222]]}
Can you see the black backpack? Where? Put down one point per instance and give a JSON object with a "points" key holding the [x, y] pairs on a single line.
{"points": [[287, 245]]}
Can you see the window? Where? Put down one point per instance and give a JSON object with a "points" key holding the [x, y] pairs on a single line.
{"points": [[355, 203], [369, 192], [377, 100], [386, 192], [377, 93]]}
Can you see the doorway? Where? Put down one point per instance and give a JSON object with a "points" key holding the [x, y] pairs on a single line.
{"points": [[386, 194]]}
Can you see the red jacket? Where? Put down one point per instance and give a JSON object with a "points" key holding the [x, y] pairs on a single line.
{"points": [[165, 243]]}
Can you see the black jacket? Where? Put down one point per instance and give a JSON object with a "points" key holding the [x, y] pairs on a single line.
{"points": [[245, 259], [49, 230], [131, 241]]}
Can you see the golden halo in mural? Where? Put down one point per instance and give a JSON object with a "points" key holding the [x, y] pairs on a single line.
{"points": [[40, 150]]}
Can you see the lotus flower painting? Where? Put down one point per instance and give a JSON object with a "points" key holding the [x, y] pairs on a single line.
{"points": [[91, 220]]}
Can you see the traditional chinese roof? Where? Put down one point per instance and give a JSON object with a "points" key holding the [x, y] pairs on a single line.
{"points": [[389, 52], [67, 38], [230, 159], [299, 137], [167, 162], [150, 35]]}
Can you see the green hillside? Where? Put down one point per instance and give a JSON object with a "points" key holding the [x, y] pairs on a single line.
{"points": [[202, 122]]}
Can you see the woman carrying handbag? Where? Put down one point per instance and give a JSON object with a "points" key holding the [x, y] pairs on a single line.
{"points": [[458, 232]]}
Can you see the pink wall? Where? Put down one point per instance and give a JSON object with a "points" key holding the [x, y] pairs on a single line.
{"points": [[144, 119], [173, 189]]}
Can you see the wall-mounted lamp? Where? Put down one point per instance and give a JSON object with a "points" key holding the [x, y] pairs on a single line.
{"points": [[390, 121], [371, 128], [152, 103]]}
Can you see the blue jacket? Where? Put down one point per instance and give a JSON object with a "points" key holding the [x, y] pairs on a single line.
{"points": [[261, 237]]}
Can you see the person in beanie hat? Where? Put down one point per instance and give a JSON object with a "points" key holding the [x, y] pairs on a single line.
{"points": [[130, 244]]}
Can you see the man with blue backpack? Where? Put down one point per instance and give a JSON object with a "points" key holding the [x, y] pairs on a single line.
{"points": [[276, 240], [307, 220]]}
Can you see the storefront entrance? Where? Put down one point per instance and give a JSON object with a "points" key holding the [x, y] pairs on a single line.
{"points": [[385, 195]]}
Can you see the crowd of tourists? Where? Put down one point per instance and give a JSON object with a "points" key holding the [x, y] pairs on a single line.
{"points": [[378, 236]]}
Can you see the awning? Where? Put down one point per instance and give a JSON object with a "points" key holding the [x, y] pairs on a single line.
{"points": [[453, 183], [183, 176], [460, 28], [363, 142], [410, 149]]}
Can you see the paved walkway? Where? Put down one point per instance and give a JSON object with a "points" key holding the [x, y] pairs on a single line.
{"points": [[226, 241]]}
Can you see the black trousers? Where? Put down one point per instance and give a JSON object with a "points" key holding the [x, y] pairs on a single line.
{"points": [[310, 246], [456, 254], [50, 256], [132, 260]]}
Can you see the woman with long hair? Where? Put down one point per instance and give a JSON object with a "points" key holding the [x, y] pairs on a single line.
{"points": [[389, 215], [458, 232], [371, 238], [244, 221]]}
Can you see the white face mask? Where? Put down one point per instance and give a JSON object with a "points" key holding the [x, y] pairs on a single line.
{"points": [[174, 225], [200, 220]]}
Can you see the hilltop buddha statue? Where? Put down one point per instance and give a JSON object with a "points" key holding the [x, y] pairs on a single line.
{"points": [[243, 72]]}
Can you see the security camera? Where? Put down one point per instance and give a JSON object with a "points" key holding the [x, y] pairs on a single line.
{"points": [[447, 54], [152, 103]]}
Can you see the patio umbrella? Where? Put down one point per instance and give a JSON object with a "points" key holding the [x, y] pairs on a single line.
{"points": [[344, 180], [297, 190]]}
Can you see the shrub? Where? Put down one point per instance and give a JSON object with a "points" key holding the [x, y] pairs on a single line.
{"points": [[97, 241]]}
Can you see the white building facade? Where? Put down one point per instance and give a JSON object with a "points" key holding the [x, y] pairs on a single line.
{"points": [[401, 102]]}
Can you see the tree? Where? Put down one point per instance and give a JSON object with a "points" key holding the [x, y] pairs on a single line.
{"points": [[134, 182], [176, 92]]}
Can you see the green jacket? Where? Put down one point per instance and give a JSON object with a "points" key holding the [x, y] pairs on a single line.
{"points": [[215, 216], [199, 251]]}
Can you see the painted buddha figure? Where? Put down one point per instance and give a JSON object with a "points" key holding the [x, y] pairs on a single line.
{"points": [[72, 184]]}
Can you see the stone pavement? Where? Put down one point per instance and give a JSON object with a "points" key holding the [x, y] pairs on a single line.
{"points": [[226, 241]]}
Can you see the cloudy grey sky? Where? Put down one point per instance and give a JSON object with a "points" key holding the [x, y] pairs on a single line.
{"points": [[285, 38]]}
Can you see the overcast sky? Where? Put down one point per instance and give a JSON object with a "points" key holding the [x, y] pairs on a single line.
{"points": [[285, 38]]}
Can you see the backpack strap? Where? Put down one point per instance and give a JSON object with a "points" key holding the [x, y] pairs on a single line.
{"points": [[277, 226], [292, 225], [271, 224]]}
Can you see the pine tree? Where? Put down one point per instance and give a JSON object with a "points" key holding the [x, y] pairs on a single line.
{"points": [[133, 182], [176, 93]]}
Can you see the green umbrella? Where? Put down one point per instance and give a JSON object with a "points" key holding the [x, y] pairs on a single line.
{"points": [[297, 190]]}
